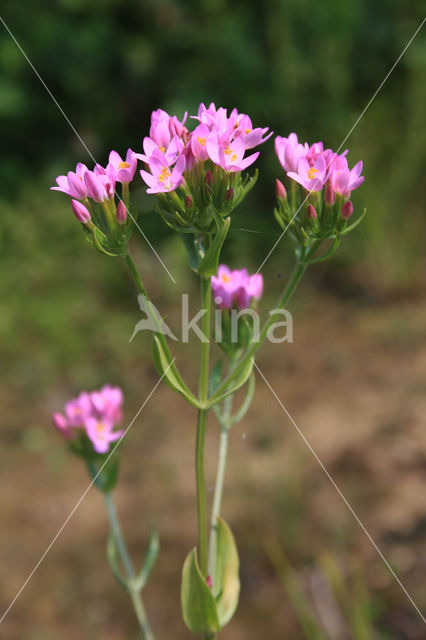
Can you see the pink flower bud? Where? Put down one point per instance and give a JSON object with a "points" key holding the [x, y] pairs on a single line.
{"points": [[80, 211], [189, 203], [229, 195], [280, 190], [329, 196], [312, 214], [209, 178], [209, 582], [347, 210], [121, 213]]}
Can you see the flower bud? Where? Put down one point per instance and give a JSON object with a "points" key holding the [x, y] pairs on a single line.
{"points": [[280, 190], [189, 202], [121, 213], [209, 582], [95, 186], [208, 179], [347, 210], [229, 195], [80, 211], [329, 196], [312, 214]]}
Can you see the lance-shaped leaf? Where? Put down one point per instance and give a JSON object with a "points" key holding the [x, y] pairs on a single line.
{"points": [[167, 368], [197, 600], [150, 560], [225, 389], [227, 580], [210, 261], [245, 405], [112, 556]]}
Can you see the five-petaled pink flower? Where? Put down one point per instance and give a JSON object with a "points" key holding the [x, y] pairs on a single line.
{"points": [[96, 414], [122, 170], [236, 288]]}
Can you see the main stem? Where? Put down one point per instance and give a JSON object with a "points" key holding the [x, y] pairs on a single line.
{"points": [[135, 594], [217, 500], [201, 427]]}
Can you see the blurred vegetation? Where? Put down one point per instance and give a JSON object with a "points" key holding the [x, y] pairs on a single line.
{"points": [[293, 65]]}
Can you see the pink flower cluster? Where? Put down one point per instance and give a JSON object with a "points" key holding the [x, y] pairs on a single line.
{"points": [[99, 184], [171, 149], [236, 288], [315, 167], [96, 413]]}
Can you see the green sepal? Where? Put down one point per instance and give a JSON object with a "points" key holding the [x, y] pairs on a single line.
{"points": [[227, 580], [150, 559], [112, 555], [197, 600], [210, 261], [104, 477], [168, 370], [234, 385]]}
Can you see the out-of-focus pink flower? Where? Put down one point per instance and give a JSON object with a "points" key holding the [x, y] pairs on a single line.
{"points": [[122, 170], [343, 180], [96, 413], [236, 288], [290, 151], [163, 177], [310, 177], [73, 183]]}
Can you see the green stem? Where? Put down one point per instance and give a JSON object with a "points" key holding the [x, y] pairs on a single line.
{"points": [[217, 500], [201, 427], [135, 273], [135, 594]]}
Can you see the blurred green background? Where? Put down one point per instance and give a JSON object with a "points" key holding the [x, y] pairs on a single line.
{"points": [[66, 313]]}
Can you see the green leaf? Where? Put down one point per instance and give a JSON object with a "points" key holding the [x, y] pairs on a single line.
{"points": [[233, 386], [239, 415], [194, 258], [209, 263], [354, 225], [150, 560], [227, 583], [197, 600], [112, 556], [167, 368]]}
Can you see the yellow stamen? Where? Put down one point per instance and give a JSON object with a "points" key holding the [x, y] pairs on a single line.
{"points": [[165, 173], [234, 157], [202, 141], [311, 173], [226, 278], [123, 165], [162, 149], [228, 151], [248, 131], [100, 427]]}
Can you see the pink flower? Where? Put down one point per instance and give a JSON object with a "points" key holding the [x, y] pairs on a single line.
{"points": [[343, 180], [198, 142], [163, 177], [236, 288], [165, 127], [243, 129], [94, 413], [311, 178], [80, 211], [290, 151], [122, 170], [171, 151], [73, 183], [231, 156], [100, 186]]}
